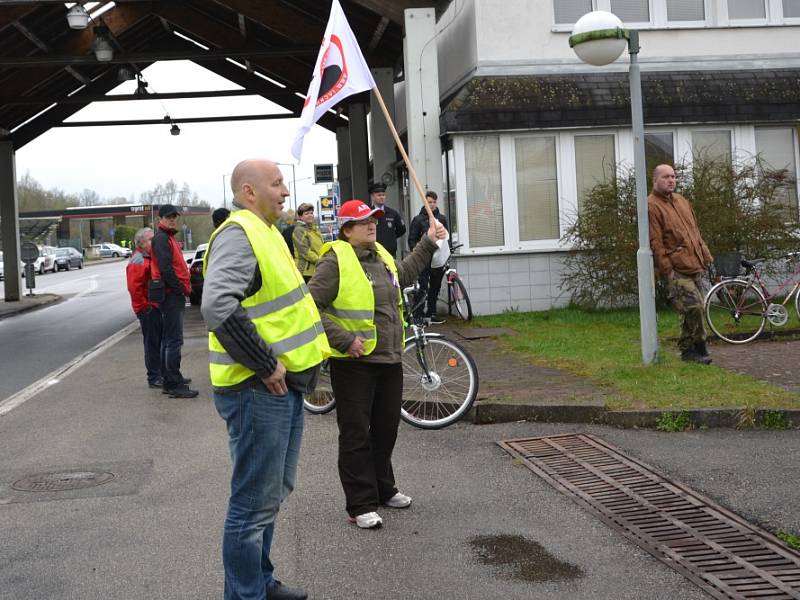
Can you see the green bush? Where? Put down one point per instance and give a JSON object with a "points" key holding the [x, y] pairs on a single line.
{"points": [[741, 206]]}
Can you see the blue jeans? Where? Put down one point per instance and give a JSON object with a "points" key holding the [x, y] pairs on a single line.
{"points": [[264, 433], [151, 334], [172, 340]]}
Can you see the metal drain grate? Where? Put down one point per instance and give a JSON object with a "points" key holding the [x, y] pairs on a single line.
{"points": [[716, 549]]}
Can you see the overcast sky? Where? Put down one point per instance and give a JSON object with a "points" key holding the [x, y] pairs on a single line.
{"points": [[126, 160]]}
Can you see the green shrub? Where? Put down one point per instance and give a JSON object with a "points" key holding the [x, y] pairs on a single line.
{"points": [[674, 421], [741, 206]]}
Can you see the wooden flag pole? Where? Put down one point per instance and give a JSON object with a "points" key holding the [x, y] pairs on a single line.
{"points": [[397, 141]]}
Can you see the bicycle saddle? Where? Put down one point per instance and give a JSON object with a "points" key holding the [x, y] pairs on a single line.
{"points": [[749, 264]]}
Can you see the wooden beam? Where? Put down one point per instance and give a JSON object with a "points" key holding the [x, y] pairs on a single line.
{"points": [[87, 98], [154, 56], [393, 9], [9, 14], [171, 120], [279, 18]]}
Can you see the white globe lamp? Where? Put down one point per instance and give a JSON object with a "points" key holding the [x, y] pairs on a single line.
{"points": [[598, 38]]}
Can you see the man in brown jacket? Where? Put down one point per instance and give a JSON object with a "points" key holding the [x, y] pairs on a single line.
{"points": [[680, 256]]}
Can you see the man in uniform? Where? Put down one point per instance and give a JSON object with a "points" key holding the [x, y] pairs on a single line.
{"points": [[390, 225], [680, 256], [266, 342]]}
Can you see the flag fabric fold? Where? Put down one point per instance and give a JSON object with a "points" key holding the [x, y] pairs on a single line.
{"points": [[340, 71]]}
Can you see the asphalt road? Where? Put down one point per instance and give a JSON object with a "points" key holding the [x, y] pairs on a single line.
{"points": [[481, 527], [95, 305]]}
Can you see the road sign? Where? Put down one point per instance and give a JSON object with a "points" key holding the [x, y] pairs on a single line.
{"points": [[29, 252], [323, 173]]}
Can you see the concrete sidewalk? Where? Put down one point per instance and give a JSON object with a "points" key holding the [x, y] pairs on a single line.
{"points": [[155, 530]]}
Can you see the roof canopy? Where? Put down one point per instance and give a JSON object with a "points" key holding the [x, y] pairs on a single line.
{"points": [[46, 65]]}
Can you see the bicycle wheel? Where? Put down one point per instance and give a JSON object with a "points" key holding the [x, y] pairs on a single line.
{"points": [[445, 397], [735, 311], [321, 400], [460, 298]]}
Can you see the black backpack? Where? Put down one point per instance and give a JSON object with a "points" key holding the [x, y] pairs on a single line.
{"points": [[287, 236]]}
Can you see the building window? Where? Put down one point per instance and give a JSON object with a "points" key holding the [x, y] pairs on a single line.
{"points": [[776, 147], [594, 163], [746, 9], [450, 206], [791, 9], [484, 191], [537, 188], [569, 11], [631, 11], [685, 10], [658, 150], [712, 145]]}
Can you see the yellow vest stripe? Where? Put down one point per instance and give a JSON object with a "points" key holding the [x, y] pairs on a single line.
{"points": [[264, 308], [349, 314]]}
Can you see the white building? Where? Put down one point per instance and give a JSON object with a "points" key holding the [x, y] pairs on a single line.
{"points": [[527, 128]]}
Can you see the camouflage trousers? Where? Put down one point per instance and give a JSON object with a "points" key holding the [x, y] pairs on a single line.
{"points": [[685, 295]]}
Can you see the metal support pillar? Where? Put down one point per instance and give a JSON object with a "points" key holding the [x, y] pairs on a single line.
{"points": [[343, 167], [9, 228], [359, 151], [384, 152], [422, 100]]}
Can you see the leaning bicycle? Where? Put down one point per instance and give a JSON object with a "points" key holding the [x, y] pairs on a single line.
{"points": [[457, 297], [440, 379], [738, 308]]}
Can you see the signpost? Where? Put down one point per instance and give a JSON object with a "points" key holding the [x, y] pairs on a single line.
{"points": [[29, 252], [323, 174]]}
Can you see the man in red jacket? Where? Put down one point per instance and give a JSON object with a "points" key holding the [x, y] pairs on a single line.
{"points": [[138, 275], [171, 268]]}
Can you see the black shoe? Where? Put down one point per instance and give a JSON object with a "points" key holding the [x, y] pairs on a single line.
{"points": [[187, 380], [692, 356], [157, 384], [181, 392], [702, 350], [278, 591]]}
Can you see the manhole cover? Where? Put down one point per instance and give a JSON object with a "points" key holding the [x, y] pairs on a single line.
{"points": [[716, 549], [62, 481]]}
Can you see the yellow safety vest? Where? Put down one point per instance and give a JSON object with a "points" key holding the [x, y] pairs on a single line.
{"points": [[282, 310], [353, 309]]}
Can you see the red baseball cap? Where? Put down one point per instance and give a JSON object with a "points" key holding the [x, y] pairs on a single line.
{"points": [[356, 210]]}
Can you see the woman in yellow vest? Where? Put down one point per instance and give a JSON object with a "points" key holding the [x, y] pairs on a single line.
{"points": [[358, 290], [307, 241]]}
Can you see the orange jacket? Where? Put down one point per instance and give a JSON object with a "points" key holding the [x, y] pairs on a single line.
{"points": [[675, 237]]}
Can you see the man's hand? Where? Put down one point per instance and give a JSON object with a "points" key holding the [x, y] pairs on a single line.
{"points": [[436, 230], [276, 383], [356, 348]]}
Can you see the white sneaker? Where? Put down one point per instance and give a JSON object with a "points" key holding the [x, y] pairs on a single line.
{"points": [[398, 501], [369, 520]]}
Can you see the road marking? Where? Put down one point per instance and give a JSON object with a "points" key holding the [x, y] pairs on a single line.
{"points": [[53, 378]]}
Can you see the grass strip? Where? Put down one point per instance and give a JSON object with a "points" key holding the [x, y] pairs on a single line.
{"points": [[604, 346]]}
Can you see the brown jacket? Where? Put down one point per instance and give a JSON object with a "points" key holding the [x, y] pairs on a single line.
{"points": [[324, 287], [675, 237]]}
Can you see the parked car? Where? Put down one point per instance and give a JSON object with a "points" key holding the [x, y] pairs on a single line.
{"points": [[196, 274], [68, 257], [47, 260], [109, 250]]}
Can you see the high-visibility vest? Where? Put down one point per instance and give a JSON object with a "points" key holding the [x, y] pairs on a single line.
{"points": [[282, 310], [353, 309]]}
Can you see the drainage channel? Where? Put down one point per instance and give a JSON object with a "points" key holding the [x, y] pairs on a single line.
{"points": [[723, 554]]}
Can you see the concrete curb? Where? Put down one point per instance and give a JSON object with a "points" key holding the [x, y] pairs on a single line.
{"points": [[497, 412], [27, 303]]}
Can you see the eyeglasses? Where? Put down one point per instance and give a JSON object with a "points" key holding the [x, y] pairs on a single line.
{"points": [[367, 222]]}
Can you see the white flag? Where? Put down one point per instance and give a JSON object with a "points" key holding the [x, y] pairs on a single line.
{"points": [[341, 71]]}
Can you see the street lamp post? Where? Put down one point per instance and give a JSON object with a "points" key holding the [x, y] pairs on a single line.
{"points": [[225, 191], [294, 183], [599, 38]]}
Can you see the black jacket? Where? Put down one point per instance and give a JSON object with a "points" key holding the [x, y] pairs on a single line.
{"points": [[390, 227], [419, 226]]}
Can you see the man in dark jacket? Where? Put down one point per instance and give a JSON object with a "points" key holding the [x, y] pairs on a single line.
{"points": [[138, 275], [680, 256], [391, 225], [170, 267], [430, 280]]}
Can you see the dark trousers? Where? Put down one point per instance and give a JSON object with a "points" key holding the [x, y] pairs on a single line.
{"points": [[150, 322], [368, 397], [172, 340], [430, 283]]}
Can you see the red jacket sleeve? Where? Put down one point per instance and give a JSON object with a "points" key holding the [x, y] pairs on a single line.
{"points": [[138, 276]]}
